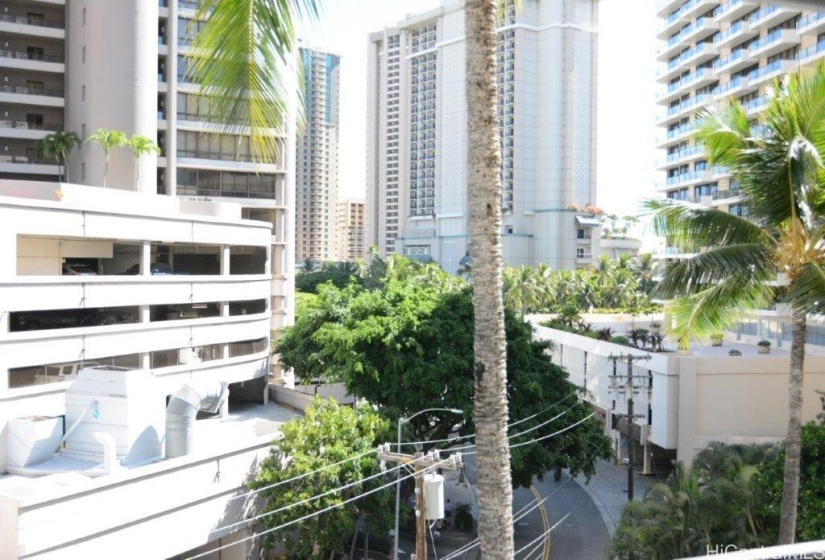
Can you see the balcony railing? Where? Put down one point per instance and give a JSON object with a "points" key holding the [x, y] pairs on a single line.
{"points": [[27, 56], [22, 158], [24, 125], [36, 21], [764, 12], [810, 20], [26, 90], [766, 40], [811, 51]]}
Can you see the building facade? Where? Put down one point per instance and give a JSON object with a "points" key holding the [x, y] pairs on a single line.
{"points": [[712, 51], [417, 134], [79, 66], [351, 230], [317, 159]]}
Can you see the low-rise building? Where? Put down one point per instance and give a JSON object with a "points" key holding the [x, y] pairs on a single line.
{"points": [[153, 294]]}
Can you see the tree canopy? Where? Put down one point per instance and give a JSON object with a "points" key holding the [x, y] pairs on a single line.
{"points": [[315, 448], [407, 345]]}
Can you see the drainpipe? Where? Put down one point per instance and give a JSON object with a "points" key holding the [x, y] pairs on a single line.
{"points": [[182, 410]]}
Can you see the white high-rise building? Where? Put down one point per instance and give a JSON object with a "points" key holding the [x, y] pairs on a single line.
{"points": [[417, 134], [79, 66], [317, 159], [712, 51]]}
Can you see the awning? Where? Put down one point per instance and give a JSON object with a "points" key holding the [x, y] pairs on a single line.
{"points": [[588, 222]]}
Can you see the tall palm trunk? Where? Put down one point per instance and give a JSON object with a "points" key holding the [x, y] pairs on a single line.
{"points": [[793, 441], [495, 495]]}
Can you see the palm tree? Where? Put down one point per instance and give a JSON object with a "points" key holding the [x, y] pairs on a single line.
{"points": [[495, 494], [241, 58], [779, 164], [141, 146], [58, 146], [108, 140]]}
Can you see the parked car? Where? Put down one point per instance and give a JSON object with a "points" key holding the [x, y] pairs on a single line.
{"points": [[78, 269], [155, 269]]}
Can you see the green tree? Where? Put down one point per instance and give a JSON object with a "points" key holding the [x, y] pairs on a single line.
{"points": [[141, 146], [778, 163], [243, 58], [409, 346], [58, 146], [312, 448], [108, 140]]}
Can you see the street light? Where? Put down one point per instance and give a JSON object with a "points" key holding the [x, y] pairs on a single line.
{"points": [[401, 422]]}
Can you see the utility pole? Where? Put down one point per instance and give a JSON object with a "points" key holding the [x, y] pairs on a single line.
{"points": [[422, 463], [629, 390]]}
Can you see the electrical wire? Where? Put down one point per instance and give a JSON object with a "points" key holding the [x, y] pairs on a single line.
{"points": [[289, 506], [300, 519]]}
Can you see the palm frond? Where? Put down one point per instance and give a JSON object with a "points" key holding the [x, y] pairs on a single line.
{"points": [[243, 58], [745, 262], [715, 309], [724, 131], [807, 292], [694, 226]]}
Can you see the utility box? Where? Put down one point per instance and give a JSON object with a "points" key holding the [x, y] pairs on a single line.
{"points": [[127, 404], [32, 440], [433, 497]]}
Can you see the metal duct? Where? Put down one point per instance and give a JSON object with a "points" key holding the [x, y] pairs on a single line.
{"points": [[182, 410]]}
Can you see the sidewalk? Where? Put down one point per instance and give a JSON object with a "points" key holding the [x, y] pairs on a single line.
{"points": [[608, 489]]}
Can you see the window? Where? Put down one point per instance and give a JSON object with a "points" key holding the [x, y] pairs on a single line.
{"points": [[83, 54], [84, 16], [580, 234], [34, 87], [34, 120], [34, 53], [83, 93], [580, 253]]}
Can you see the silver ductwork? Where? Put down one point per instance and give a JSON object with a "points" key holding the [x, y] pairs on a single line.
{"points": [[182, 411]]}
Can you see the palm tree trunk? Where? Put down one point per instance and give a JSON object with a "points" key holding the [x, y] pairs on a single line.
{"points": [[105, 169], [495, 495], [793, 441]]}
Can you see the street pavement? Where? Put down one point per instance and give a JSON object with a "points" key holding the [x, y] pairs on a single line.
{"points": [[592, 511]]}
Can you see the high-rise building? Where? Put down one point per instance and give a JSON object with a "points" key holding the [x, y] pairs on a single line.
{"points": [[714, 51], [351, 230], [80, 66], [417, 134], [317, 158]]}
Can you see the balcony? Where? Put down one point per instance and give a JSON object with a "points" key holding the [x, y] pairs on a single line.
{"points": [[683, 156], [776, 42], [687, 106], [688, 178], [731, 10], [677, 134], [32, 61], [772, 70], [756, 106], [770, 16], [32, 25], [31, 95], [26, 130], [689, 58], [735, 34], [700, 29], [812, 53], [733, 62], [672, 23], [665, 7], [693, 8], [734, 88], [812, 24]]}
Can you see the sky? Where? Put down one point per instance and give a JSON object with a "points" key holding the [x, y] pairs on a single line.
{"points": [[626, 110]]}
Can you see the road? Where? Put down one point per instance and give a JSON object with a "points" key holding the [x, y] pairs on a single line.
{"points": [[581, 536]]}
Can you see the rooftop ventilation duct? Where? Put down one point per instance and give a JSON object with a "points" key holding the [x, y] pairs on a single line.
{"points": [[182, 411]]}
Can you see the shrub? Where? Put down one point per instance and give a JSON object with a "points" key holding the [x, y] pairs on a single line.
{"points": [[620, 340]]}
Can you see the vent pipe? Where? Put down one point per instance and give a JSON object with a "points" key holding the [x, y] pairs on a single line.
{"points": [[182, 411]]}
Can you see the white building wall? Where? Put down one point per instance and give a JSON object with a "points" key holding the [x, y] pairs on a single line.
{"points": [[552, 163]]}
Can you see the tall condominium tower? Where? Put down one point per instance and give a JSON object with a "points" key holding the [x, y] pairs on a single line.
{"points": [[417, 134], [78, 66], [317, 162], [352, 229], [714, 51]]}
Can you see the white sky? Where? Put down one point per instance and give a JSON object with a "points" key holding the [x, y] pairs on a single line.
{"points": [[626, 133]]}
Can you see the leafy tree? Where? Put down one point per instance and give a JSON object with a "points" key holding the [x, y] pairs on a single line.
{"points": [[141, 146], [779, 164], [408, 346], [308, 282], [326, 435], [811, 514], [58, 146], [108, 140]]}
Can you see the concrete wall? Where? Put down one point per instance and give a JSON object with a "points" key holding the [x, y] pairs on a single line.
{"points": [[694, 399]]}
